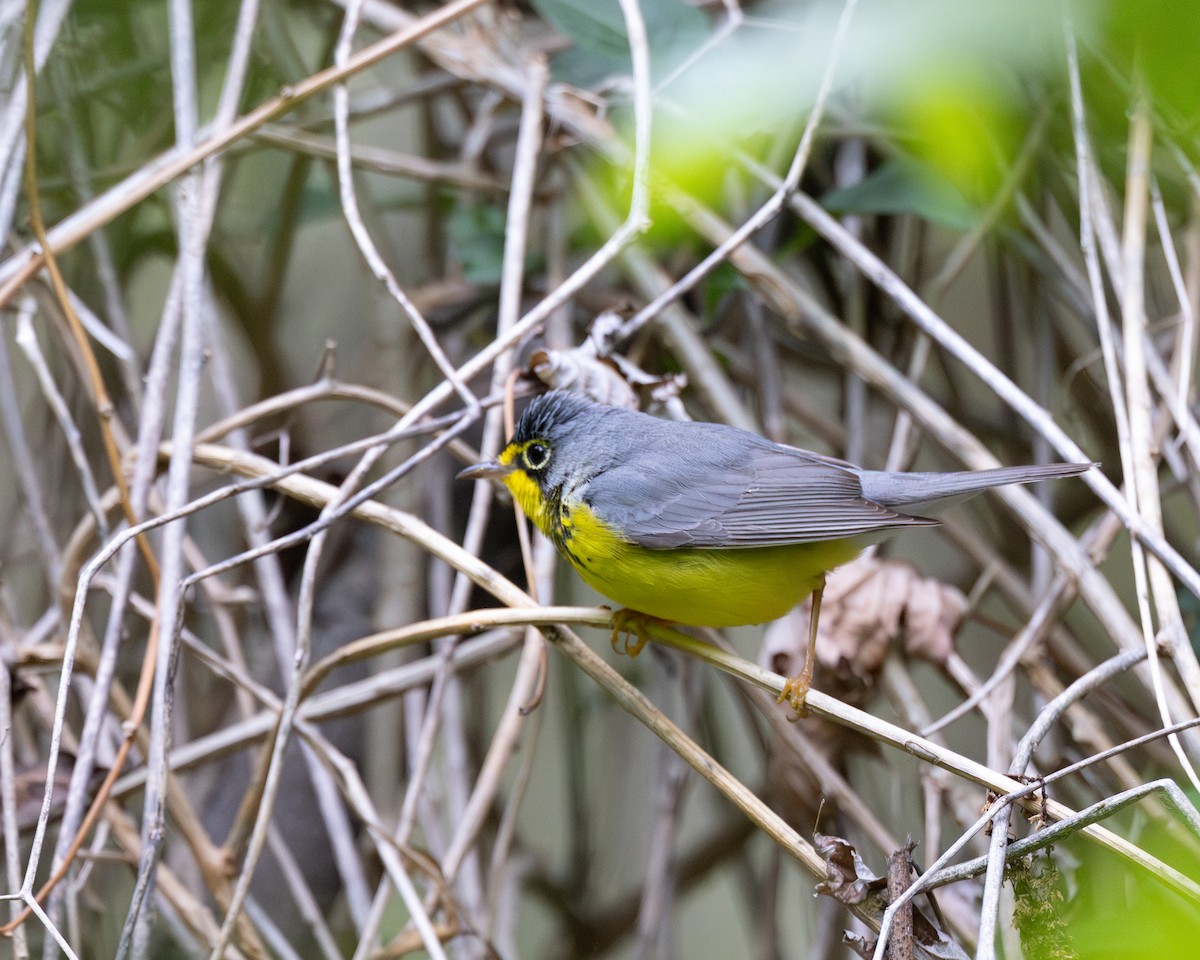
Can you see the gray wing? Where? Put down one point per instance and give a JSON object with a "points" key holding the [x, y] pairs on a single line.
{"points": [[714, 488]]}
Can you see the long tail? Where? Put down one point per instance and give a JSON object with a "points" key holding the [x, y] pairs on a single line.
{"points": [[911, 490]]}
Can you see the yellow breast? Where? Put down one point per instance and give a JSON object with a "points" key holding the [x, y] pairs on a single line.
{"points": [[699, 587]]}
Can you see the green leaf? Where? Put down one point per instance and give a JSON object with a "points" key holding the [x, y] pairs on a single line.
{"points": [[901, 185], [596, 26], [1158, 39], [601, 48], [724, 279], [477, 242]]}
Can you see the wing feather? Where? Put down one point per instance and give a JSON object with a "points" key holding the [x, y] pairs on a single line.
{"points": [[732, 490]]}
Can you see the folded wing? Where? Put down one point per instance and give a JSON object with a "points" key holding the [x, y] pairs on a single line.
{"points": [[734, 492]]}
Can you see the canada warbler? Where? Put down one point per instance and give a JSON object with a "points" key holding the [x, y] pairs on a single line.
{"points": [[705, 524]]}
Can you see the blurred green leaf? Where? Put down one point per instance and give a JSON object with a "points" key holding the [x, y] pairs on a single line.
{"points": [[597, 27], [1159, 39], [601, 48], [950, 81], [477, 241], [723, 280], [966, 121], [1119, 912], [903, 185]]}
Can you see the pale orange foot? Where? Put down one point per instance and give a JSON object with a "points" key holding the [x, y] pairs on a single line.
{"points": [[795, 693], [632, 625]]}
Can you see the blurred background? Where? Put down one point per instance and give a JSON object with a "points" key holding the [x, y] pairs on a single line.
{"points": [[279, 228]]}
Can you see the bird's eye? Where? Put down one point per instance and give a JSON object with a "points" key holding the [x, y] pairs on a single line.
{"points": [[536, 456]]}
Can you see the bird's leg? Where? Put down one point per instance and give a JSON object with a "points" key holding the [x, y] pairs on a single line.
{"points": [[633, 625], [795, 691]]}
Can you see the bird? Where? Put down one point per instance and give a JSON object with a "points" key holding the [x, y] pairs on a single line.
{"points": [[703, 524]]}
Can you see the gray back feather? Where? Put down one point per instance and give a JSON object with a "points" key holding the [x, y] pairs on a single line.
{"points": [[666, 484]]}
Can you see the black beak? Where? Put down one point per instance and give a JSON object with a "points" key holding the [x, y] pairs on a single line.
{"points": [[488, 470]]}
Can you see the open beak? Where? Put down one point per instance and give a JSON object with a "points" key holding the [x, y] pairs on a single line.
{"points": [[488, 470]]}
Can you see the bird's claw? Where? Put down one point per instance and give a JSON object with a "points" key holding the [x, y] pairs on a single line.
{"points": [[630, 625], [795, 694]]}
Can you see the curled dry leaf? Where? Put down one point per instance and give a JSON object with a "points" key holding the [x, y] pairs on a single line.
{"points": [[862, 946], [580, 371], [932, 941], [587, 368], [869, 606], [847, 878], [598, 370]]}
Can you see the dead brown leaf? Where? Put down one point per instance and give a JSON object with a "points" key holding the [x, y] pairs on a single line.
{"points": [[847, 878], [870, 606]]}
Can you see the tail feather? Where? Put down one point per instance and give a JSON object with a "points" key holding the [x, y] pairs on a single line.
{"points": [[910, 490]]}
